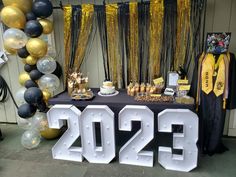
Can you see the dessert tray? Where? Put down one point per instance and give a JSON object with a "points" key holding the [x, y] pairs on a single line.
{"points": [[108, 95]]}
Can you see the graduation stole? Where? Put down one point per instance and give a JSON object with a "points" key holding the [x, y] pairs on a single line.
{"points": [[209, 69]]}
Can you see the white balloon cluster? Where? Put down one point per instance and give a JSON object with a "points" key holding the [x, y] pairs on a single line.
{"points": [[31, 138]]}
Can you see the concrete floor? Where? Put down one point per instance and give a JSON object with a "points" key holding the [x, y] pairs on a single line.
{"points": [[15, 161]]}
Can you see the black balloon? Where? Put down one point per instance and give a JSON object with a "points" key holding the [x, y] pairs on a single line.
{"points": [[26, 110], [29, 68], [42, 106], [22, 52], [30, 16], [33, 28], [35, 74], [33, 95], [30, 83], [42, 8], [58, 70]]}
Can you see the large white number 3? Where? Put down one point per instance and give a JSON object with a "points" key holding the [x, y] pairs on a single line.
{"points": [[103, 115], [185, 141], [62, 149], [131, 153]]}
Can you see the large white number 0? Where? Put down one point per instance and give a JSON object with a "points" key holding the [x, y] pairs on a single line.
{"points": [[62, 149], [103, 115], [185, 141], [131, 153]]}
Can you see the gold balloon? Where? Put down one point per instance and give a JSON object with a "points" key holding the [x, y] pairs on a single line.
{"points": [[37, 47], [10, 50], [31, 60], [23, 77], [46, 95], [13, 17], [47, 26], [24, 5], [50, 133]]}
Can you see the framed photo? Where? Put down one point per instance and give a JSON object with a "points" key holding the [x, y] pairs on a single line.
{"points": [[217, 43], [172, 79]]}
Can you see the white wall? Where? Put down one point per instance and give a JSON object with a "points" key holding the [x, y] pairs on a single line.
{"points": [[221, 16]]}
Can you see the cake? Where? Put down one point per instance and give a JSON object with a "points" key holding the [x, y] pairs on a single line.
{"points": [[107, 88]]}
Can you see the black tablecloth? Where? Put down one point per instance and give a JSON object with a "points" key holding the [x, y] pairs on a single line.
{"points": [[116, 103]]}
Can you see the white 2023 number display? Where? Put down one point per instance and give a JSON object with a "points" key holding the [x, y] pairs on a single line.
{"points": [[83, 124], [131, 152]]}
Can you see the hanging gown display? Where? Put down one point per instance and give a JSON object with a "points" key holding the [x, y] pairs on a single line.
{"points": [[213, 86]]}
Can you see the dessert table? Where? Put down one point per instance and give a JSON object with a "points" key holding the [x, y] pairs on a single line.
{"points": [[116, 104]]}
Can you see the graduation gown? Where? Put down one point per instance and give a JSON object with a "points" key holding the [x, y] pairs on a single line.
{"points": [[211, 109]]}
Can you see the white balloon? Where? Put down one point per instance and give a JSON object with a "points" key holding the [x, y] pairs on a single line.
{"points": [[49, 82], [15, 38], [46, 65], [30, 139], [19, 96]]}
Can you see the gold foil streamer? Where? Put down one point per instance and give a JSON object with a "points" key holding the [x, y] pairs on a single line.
{"points": [[133, 67], [114, 57], [183, 28], [85, 30], [156, 28], [67, 37]]}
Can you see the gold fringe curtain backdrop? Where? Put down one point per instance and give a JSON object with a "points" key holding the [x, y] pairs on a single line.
{"points": [[114, 56], [133, 42], [67, 37], [85, 30], [156, 29], [183, 29]]}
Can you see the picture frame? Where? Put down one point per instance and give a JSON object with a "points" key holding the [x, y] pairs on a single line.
{"points": [[172, 79]]}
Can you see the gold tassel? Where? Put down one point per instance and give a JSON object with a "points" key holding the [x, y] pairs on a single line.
{"points": [[133, 42], [67, 37], [183, 28], [85, 30], [114, 57], [156, 28]]}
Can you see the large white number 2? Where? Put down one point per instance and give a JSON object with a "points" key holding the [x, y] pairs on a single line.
{"points": [[185, 141], [62, 149], [103, 115], [131, 153]]}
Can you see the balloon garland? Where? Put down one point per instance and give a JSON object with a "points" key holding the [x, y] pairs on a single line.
{"points": [[27, 22]]}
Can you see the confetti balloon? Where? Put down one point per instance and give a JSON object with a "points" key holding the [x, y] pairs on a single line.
{"points": [[49, 82], [30, 139], [14, 38], [39, 121], [46, 65]]}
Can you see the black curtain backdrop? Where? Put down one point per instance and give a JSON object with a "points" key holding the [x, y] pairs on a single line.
{"points": [[169, 37], [75, 26], [194, 41]]}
